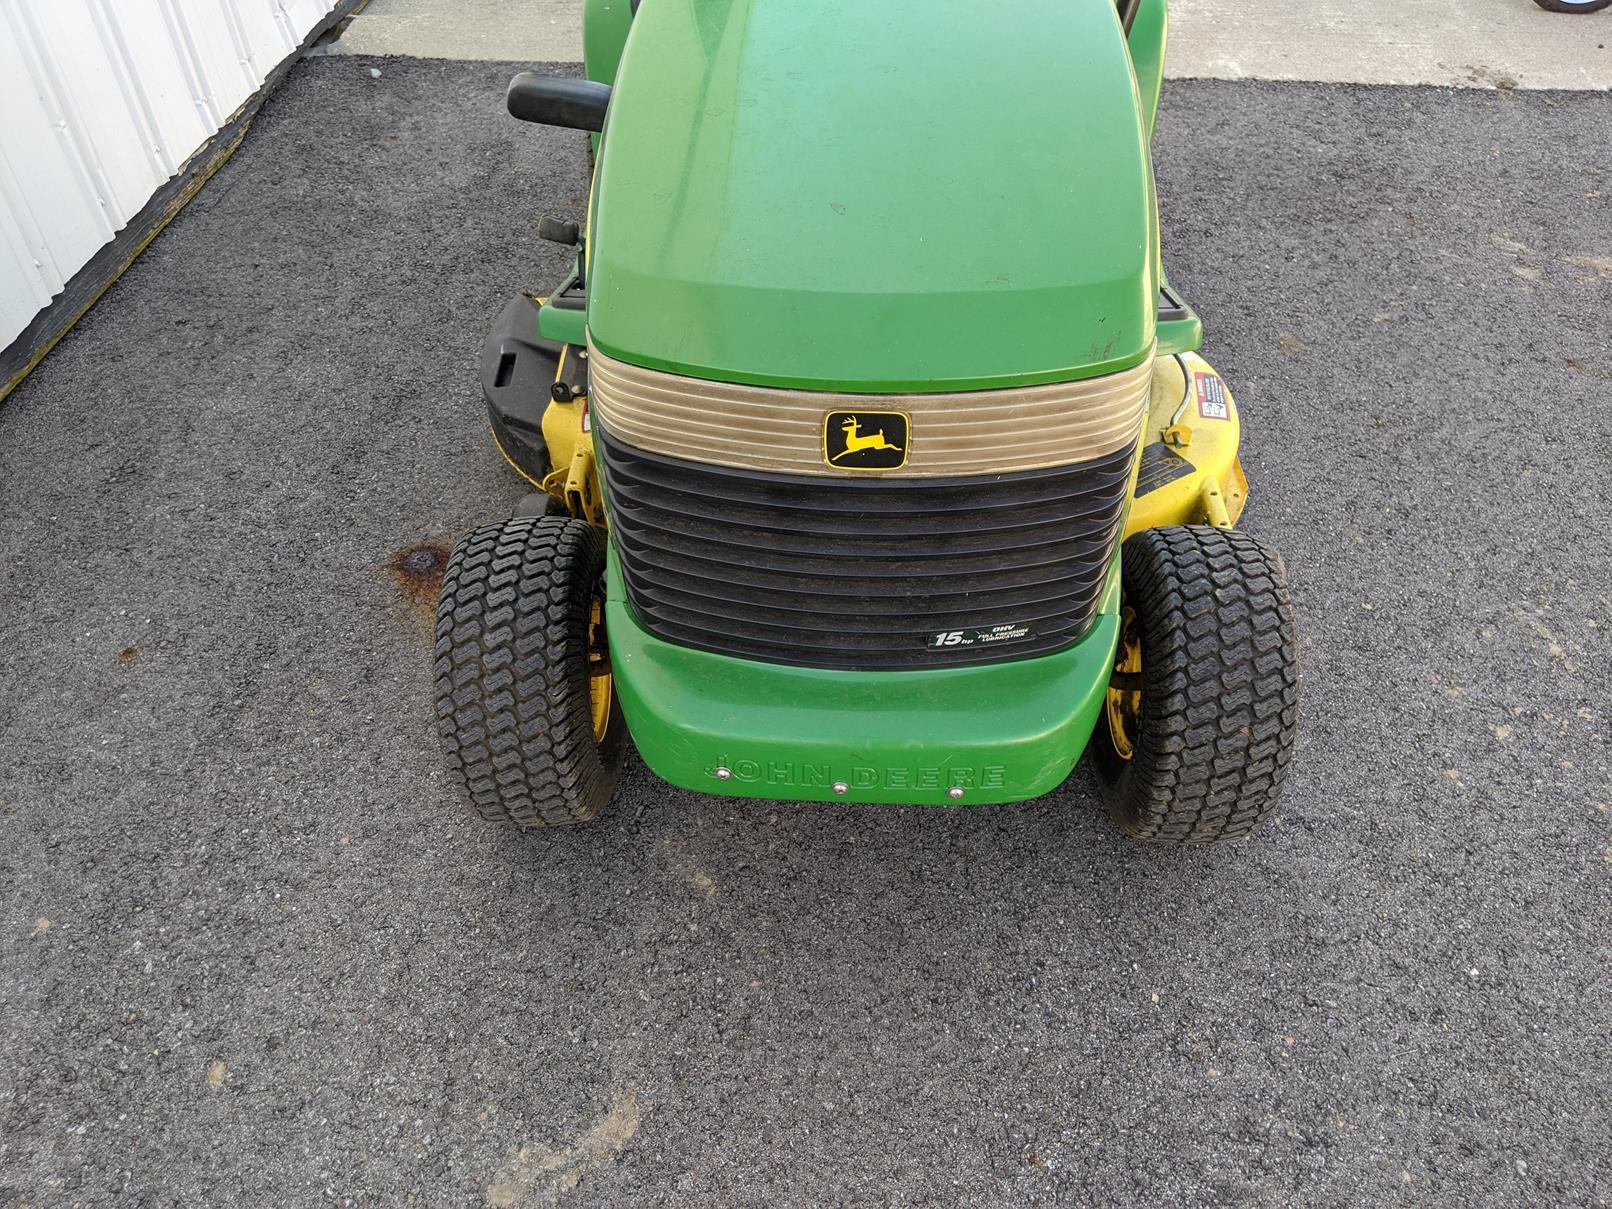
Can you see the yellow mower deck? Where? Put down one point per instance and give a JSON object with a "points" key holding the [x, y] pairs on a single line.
{"points": [[1187, 470]]}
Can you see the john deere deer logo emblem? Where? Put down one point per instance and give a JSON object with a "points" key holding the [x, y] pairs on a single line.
{"points": [[865, 440]]}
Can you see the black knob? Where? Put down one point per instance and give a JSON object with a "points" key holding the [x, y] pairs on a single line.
{"points": [[557, 231], [560, 392]]}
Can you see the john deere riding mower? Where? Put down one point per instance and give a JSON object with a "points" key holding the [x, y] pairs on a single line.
{"points": [[871, 459]]}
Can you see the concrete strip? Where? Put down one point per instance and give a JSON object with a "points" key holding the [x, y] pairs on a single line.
{"points": [[537, 31], [1464, 43]]}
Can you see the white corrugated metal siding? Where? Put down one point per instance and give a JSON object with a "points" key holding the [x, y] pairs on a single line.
{"points": [[101, 102]]}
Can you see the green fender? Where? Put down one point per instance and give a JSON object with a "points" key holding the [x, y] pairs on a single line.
{"points": [[1148, 37], [604, 33], [605, 24]]}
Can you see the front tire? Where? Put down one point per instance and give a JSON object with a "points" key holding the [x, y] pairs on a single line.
{"points": [[524, 699], [1199, 720], [1574, 6]]}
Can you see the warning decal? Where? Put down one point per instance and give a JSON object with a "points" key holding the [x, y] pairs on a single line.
{"points": [[1212, 401], [1160, 465]]}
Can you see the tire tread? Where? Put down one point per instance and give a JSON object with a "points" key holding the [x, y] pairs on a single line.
{"points": [[1220, 686], [512, 703]]}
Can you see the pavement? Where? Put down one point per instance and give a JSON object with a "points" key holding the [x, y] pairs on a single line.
{"points": [[254, 951], [1504, 44]]}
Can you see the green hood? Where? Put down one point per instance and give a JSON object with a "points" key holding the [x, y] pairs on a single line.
{"points": [[875, 195]]}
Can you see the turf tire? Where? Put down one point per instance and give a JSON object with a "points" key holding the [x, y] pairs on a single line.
{"points": [[1574, 6], [1219, 703], [512, 702]]}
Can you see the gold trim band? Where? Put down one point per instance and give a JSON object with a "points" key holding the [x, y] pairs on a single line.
{"points": [[962, 433]]}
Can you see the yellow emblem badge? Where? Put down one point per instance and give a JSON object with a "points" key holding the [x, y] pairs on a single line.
{"points": [[865, 440]]}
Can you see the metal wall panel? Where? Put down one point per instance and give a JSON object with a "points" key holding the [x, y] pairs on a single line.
{"points": [[101, 102]]}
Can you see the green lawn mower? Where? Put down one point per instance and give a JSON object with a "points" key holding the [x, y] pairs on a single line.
{"points": [[871, 457]]}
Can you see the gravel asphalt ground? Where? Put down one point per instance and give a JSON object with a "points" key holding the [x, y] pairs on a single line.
{"points": [[253, 951]]}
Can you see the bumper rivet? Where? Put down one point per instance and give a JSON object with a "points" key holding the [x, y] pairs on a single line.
{"points": [[841, 788], [955, 792], [723, 774]]}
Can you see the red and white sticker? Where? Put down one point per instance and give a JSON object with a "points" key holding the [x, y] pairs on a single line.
{"points": [[1212, 401]]}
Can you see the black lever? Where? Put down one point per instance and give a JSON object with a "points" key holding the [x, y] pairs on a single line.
{"points": [[557, 230], [556, 101]]}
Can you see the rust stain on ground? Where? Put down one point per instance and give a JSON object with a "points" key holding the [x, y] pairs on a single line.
{"points": [[418, 571], [128, 655]]}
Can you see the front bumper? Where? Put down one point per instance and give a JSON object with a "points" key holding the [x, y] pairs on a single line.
{"points": [[1001, 732]]}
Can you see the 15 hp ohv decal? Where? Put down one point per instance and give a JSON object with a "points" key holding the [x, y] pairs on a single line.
{"points": [[974, 636]]}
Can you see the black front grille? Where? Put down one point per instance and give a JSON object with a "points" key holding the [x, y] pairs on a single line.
{"points": [[863, 573]]}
